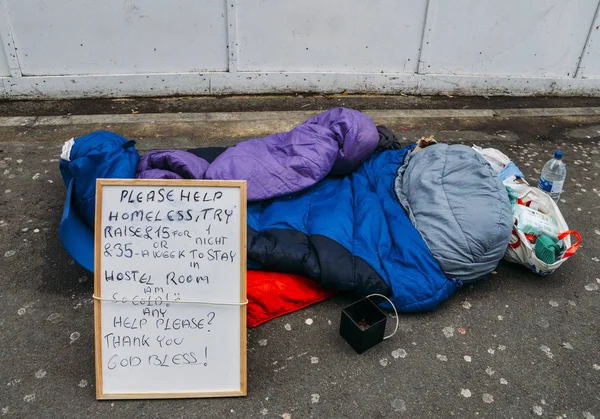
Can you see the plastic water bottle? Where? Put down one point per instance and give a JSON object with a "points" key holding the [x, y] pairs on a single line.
{"points": [[553, 176]]}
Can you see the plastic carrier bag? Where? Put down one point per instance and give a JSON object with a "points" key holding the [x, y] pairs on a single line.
{"points": [[495, 158], [522, 249], [539, 216]]}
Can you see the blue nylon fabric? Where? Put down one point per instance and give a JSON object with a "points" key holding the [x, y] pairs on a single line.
{"points": [[361, 213], [100, 154]]}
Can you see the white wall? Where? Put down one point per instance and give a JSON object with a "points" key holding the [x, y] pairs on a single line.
{"points": [[590, 63], [541, 38], [311, 35], [118, 36], [5, 46], [111, 48], [4, 69]]}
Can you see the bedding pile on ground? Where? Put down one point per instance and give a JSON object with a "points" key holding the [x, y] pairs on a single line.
{"points": [[335, 204]]}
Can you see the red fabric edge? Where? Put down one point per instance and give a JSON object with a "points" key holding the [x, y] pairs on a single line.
{"points": [[251, 324]]}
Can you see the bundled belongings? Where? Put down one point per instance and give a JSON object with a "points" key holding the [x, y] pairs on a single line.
{"points": [[540, 238], [335, 201]]}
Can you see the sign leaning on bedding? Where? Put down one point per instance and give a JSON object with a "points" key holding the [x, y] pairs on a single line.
{"points": [[170, 288]]}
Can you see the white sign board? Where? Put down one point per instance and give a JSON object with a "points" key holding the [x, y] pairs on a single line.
{"points": [[170, 288]]}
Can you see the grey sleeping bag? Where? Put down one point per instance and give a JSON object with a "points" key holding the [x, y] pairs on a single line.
{"points": [[459, 206]]}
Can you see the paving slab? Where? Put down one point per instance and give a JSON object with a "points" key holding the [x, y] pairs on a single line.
{"points": [[513, 346]]}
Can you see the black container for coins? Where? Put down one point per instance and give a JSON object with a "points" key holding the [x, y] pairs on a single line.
{"points": [[363, 325]]}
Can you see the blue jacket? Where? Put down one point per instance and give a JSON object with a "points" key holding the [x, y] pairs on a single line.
{"points": [[100, 154]]}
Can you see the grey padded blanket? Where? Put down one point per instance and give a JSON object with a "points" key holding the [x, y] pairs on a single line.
{"points": [[459, 206]]}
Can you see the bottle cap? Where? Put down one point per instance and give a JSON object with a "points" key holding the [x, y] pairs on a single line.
{"points": [[558, 155]]}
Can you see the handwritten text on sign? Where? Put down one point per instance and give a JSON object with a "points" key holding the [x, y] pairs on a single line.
{"points": [[167, 255]]}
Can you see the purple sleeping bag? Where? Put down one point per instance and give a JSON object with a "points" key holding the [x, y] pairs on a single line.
{"points": [[334, 142]]}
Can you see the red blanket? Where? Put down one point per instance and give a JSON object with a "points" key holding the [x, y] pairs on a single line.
{"points": [[273, 294]]}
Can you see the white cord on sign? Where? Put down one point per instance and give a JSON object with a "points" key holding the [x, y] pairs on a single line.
{"points": [[120, 300], [395, 311]]}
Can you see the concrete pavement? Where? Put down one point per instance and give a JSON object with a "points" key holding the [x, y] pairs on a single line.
{"points": [[514, 346]]}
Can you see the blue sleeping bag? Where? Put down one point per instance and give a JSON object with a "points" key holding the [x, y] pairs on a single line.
{"points": [[405, 224]]}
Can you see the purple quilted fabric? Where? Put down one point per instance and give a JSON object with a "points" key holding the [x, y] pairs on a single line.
{"points": [[334, 142]]}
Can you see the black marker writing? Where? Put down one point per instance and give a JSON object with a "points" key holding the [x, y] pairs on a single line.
{"points": [[133, 276], [161, 195], [154, 312], [199, 196], [128, 322], [173, 279], [164, 341], [125, 341]]}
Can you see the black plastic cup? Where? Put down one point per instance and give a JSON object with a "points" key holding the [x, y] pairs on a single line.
{"points": [[363, 325]]}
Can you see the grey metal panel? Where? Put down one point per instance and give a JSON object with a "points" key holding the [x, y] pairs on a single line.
{"points": [[331, 36], [4, 68], [90, 48], [590, 60], [540, 38], [119, 36], [8, 57]]}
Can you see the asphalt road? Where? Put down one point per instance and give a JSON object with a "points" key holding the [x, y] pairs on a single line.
{"points": [[514, 346]]}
